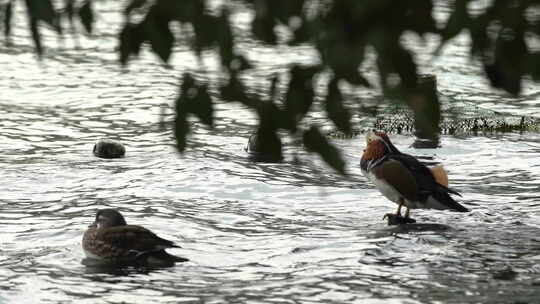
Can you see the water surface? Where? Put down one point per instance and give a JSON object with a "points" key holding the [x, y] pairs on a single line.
{"points": [[293, 232]]}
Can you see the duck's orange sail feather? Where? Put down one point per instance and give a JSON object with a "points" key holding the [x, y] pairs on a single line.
{"points": [[440, 175]]}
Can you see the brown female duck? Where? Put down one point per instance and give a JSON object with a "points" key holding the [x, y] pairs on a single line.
{"points": [[111, 239]]}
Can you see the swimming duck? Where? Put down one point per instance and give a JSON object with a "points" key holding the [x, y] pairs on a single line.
{"points": [[111, 239], [404, 180]]}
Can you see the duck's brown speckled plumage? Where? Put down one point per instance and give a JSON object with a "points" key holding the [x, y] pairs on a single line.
{"points": [[110, 238]]}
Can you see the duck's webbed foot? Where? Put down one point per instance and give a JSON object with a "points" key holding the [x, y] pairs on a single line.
{"points": [[398, 219]]}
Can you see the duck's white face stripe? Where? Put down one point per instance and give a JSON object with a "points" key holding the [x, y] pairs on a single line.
{"points": [[372, 163], [371, 136]]}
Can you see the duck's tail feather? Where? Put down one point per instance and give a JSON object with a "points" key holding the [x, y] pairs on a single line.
{"points": [[442, 197], [450, 190], [160, 257]]}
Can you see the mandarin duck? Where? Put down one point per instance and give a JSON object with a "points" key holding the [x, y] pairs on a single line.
{"points": [[404, 180], [111, 240]]}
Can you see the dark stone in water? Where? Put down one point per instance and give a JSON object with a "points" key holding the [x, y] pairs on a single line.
{"points": [[394, 219], [506, 274], [106, 148]]}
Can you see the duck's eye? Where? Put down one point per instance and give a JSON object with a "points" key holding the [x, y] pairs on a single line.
{"points": [[101, 220]]}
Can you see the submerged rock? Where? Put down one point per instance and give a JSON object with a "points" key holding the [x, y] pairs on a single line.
{"points": [[106, 148], [394, 219]]}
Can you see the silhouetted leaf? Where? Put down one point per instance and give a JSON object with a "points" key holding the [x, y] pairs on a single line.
{"points": [[206, 32], [344, 58], [131, 39], [70, 10], [458, 20], [418, 16], [506, 70], [339, 115], [240, 63], [181, 130], [273, 87], [133, 5], [393, 60], [201, 105], [302, 33], [316, 142], [263, 24], [288, 12], [181, 126], [188, 82], [36, 36], [196, 100], [87, 16], [300, 93], [182, 10], [350, 20], [405, 67], [38, 10], [480, 40], [270, 116], [534, 67], [8, 10], [43, 10], [225, 39], [283, 10], [159, 34], [235, 90]]}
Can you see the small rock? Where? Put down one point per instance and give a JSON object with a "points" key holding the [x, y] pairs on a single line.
{"points": [[506, 274], [394, 219], [106, 148]]}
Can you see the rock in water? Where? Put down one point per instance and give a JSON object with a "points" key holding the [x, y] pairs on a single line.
{"points": [[106, 148]]}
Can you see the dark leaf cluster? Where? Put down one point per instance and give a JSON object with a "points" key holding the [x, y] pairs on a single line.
{"points": [[499, 34], [44, 11], [341, 31]]}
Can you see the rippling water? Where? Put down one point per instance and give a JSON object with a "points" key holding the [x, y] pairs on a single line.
{"points": [[274, 233]]}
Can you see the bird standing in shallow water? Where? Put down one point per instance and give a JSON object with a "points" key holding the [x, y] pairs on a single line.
{"points": [[404, 180], [111, 239]]}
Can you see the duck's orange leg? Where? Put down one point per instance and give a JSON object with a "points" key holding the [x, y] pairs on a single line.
{"points": [[400, 204], [407, 212], [397, 218]]}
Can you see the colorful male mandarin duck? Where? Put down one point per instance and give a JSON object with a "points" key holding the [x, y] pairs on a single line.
{"points": [[111, 239], [404, 180]]}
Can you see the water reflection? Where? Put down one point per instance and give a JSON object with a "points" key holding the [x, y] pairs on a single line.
{"points": [[94, 267]]}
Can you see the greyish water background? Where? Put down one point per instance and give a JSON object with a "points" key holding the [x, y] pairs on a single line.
{"points": [[255, 233]]}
